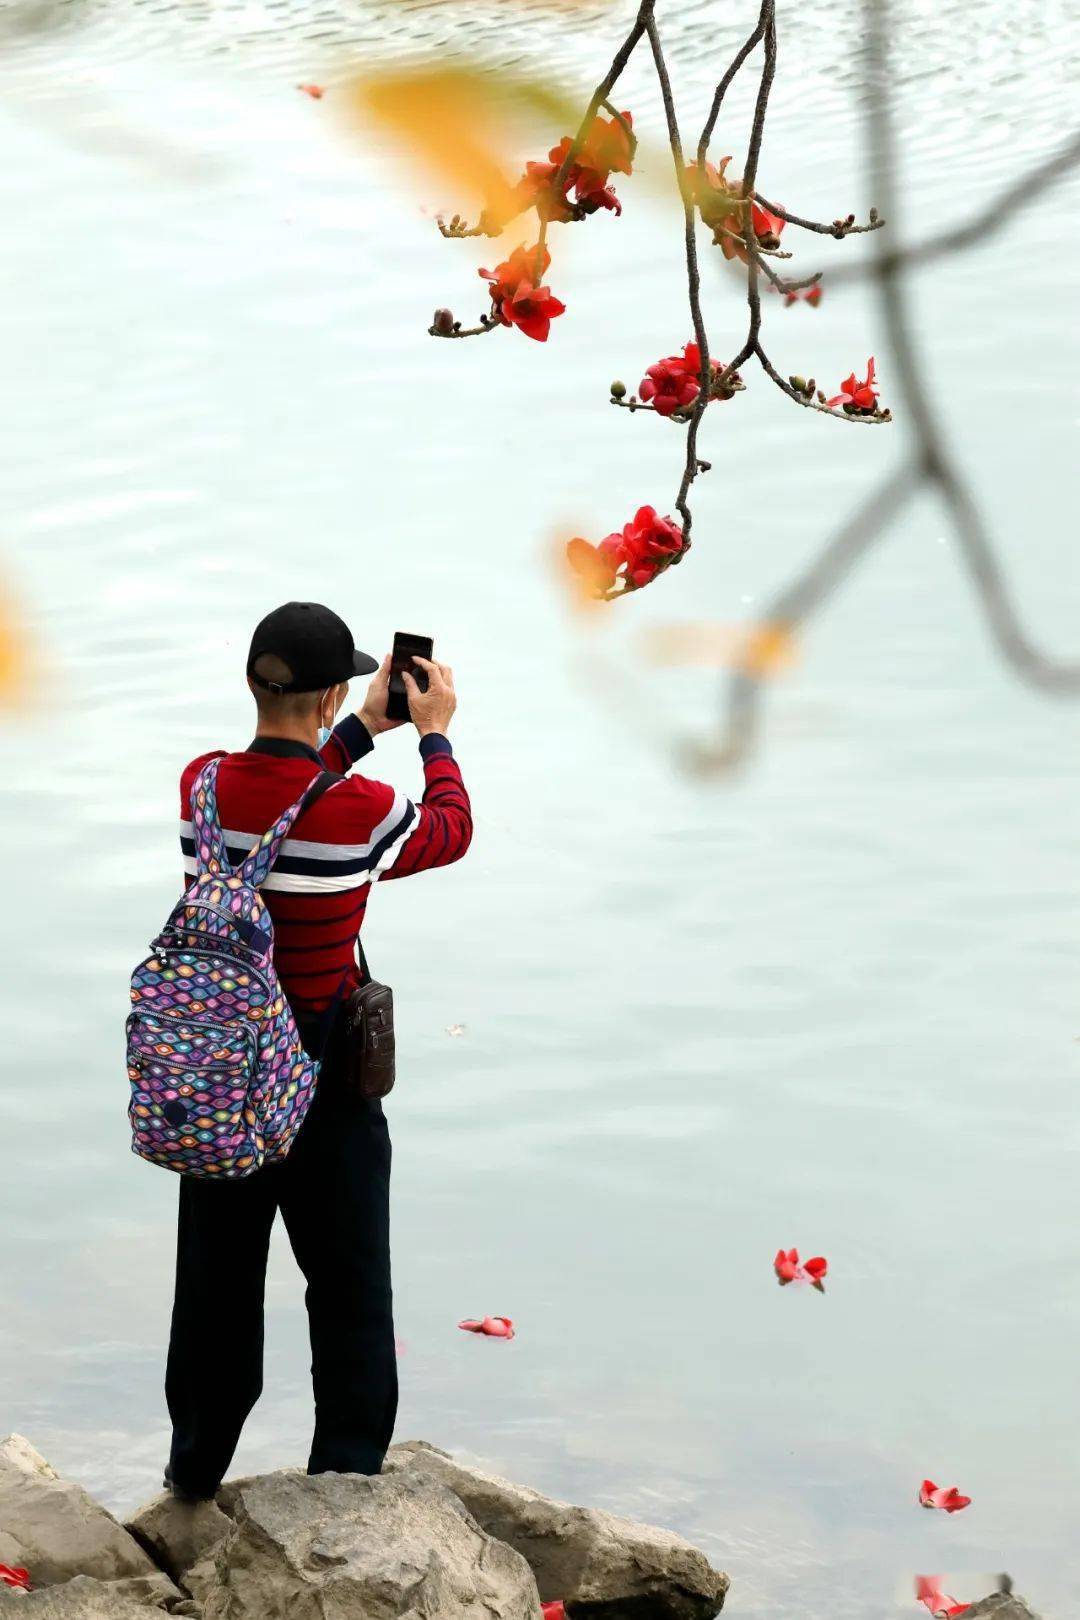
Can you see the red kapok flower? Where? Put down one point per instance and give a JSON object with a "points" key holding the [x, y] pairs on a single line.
{"points": [[592, 192], [713, 192], [636, 554], [18, 1579], [860, 395], [649, 545], [669, 386], [553, 1611], [674, 383], [608, 148], [767, 226], [494, 1327], [934, 1496], [789, 1269], [536, 190], [516, 299], [928, 1591], [315, 91]]}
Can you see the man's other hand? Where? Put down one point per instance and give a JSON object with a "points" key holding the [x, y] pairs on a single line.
{"points": [[432, 710], [373, 714]]}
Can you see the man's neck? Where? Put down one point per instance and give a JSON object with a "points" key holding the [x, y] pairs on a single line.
{"points": [[282, 732]]}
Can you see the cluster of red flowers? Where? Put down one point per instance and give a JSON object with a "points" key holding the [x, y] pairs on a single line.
{"points": [[674, 383], [722, 205], [858, 398], [789, 1269], [607, 149], [643, 549], [517, 299], [517, 296]]}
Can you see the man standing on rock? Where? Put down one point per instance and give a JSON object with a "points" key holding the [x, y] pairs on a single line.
{"points": [[333, 1187]]}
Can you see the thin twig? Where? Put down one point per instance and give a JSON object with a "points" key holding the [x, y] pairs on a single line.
{"points": [[721, 91], [873, 418], [486, 325], [623, 125], [839, 227], [782, 284], [773, 253], [693, 281]]}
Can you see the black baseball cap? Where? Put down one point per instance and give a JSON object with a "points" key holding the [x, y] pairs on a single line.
{"points": [[313, 642]]}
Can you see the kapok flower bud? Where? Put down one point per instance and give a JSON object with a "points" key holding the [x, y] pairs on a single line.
{"points": [[443, 322], [798, 383], [618, 390]]}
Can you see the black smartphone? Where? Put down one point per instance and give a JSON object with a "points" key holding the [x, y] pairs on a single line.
{"points": [[401, 658]]}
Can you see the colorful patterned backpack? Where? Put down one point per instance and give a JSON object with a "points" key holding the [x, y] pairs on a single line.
{"points": [[220, 1080]]}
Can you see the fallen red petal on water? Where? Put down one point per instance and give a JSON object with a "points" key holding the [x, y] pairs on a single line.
{"points": [[790, 1269], [935, 1496], [495, 1327], [18, 1579], [928, 1591], [315, 91]]}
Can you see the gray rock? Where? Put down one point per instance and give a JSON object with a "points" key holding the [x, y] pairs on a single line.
{"points": [[79, 1599], [157, 1589], [233, 1488], [607, 1567], [340, 1546], [178, 1534], [1002, 1606], [54, 1528]]}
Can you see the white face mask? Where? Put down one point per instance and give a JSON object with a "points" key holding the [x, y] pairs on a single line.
{"points": [[325, 732]]}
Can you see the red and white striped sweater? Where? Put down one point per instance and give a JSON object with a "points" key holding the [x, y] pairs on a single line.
{"points": [[358, 833]]}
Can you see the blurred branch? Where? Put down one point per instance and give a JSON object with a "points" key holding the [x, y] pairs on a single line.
{"points": [[932, 465], [984, 223]]}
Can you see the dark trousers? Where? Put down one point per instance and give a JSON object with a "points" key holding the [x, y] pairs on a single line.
{"points": [[333, 1191]]}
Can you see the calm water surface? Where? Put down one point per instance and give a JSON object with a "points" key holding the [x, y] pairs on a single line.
{"points": [[828, 1003]]}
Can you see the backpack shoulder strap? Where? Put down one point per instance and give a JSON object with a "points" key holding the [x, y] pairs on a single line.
{"points": [[210, 852], [257, 867]]}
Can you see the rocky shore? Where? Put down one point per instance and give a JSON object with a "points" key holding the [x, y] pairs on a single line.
{"points": [[430, 1537]]}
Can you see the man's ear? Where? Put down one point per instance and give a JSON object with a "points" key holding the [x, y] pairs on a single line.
{"points": [[342, 694]]}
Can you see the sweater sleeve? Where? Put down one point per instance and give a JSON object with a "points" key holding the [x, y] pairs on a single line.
{"points": [[349, 741], [441, 830]]}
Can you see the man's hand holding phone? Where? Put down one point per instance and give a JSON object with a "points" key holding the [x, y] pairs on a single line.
{"points": [[373, 715], [431, 711]]}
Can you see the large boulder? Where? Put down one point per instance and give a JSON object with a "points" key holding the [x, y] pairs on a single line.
{"points": [[54, 1528], [605, 1566], [336, 1546], [178, 1534], [80, 1599]]}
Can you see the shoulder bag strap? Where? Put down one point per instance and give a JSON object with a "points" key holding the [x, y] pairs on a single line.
{"points": [[259, 863], [313, 793]]}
